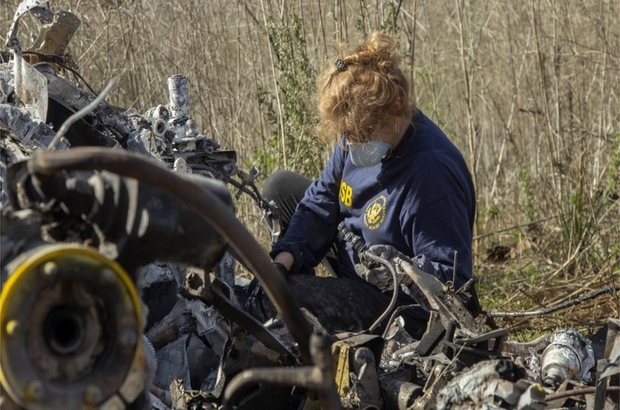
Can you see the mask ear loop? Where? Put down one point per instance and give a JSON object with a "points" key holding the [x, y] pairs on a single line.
{"points": [[389, 153]]}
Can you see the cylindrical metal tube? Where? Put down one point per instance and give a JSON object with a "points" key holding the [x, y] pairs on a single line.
{"points": [[159, 127], [569, 356], [205, 202], [400, 394], [70, 316], [179, 96]]}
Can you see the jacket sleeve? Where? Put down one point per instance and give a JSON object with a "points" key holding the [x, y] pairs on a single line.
{"points": [[441, 226], [312, 229]]}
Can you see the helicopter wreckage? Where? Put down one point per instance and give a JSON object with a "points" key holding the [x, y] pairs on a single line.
{"points": [[119, 244]]}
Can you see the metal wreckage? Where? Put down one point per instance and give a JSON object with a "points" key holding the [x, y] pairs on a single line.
{"points": [[119, 242]]}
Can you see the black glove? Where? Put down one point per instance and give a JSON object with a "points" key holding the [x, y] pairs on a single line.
{"points": [[386, 252], [281, 269], [378, 274]]}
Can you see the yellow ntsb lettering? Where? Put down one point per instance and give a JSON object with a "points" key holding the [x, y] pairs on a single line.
{"points": [[346, 194]]}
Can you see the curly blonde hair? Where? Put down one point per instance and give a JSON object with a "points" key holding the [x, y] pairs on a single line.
{"points": [[363, 90]]}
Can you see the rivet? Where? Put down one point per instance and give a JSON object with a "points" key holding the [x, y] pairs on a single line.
{"points": [[34, 391], [11, 327], [128, 337], [92, 395], [108, 276], [50, 269]]}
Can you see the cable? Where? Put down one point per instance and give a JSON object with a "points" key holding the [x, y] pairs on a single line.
{"points": [[578, 392], [359, 246], [388, 310], [551, 309], [60, 60], [81, 113], [393, 315]]}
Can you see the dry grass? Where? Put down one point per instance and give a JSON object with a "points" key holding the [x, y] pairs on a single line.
{"points": [[528, 90]]}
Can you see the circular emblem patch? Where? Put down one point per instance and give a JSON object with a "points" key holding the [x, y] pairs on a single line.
{"points": [[375, 213]]}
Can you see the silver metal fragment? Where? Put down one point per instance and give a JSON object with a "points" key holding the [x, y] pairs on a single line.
{"points": [[568, 356]]}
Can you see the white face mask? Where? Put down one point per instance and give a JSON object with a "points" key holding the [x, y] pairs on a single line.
{"points": [[368, 154]]}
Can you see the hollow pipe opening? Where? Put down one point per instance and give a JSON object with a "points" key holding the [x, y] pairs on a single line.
{"points": [[64, 330]]}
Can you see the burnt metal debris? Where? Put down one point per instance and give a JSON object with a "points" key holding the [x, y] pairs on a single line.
{"points": [[119, 245]]}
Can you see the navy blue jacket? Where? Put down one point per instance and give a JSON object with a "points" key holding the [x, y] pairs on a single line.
{"points": [[420, 199]]}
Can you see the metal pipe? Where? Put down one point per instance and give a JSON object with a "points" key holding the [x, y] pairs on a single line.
{"points": [[179, 96], [203, 202], [159, 127], [318, 377]]}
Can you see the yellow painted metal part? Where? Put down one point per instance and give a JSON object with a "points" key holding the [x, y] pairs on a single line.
{"points": [[340, 353], [27, 275]]}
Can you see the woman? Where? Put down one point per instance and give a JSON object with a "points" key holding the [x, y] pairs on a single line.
{"points": [[394, 178]]}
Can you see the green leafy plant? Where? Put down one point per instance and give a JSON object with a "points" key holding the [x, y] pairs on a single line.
{"points": [[289, 106]]}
